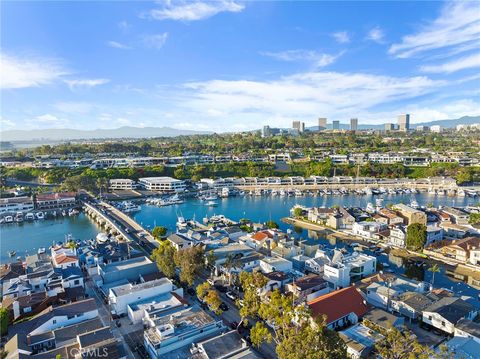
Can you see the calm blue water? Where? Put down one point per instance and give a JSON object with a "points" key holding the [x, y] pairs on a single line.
{"points": [[29, 236], [261, 209]]}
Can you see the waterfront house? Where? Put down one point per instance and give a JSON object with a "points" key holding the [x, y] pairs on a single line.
{"points": [[308, 287], [360, 340], [182, 328], [392, 217], [158, 305], [447, 312], [410, 215], [319, 214], [309, 247], [121, 296], [342, 307], [340, 219], [65, 260], [368, 230]]}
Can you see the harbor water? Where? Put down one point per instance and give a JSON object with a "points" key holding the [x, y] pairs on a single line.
{"points": [[27, 237]]}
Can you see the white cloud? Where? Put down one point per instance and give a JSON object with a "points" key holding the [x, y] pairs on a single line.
{"points": [[6, 124], [463, 63], [22, 72], [155, 41], [124, 26], [118, 45], [456, 28], [300, 96], [376, 34], [342, 37], [192, 11], [317, 58], [85, 83], [47, 121]]}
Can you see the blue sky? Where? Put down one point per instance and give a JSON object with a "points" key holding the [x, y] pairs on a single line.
{"points": [[232, 65]]}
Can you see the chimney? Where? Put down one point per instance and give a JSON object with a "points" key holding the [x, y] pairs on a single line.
{"points": [[16, 309]]}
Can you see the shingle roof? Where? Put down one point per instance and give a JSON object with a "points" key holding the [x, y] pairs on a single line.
{"points": [[338, 304], [451, 308]]}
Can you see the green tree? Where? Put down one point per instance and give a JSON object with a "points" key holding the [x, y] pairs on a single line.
{"points": [[232, 262], [164, 257], [474, 218], [271, 224], [297, 212], [434, 269], [159, 232], [202, 290], [398, 344], [212, 299], [4, 319], [416, 236], [190, 262]]}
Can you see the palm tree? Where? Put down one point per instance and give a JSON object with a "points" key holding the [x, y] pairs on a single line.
{"points": [[231, 263], [434, 269]]}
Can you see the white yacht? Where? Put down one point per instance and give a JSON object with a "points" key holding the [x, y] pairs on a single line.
{"points": [[129, 207], [211, 204], [181, 223], [29, 216], [414, 204], [370, 208], [19, 217], [8, 219], [211, 197]]}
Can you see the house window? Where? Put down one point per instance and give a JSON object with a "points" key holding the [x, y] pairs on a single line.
{"points": [[429, 317], [443, 323], [54, 321], [76, 282]]}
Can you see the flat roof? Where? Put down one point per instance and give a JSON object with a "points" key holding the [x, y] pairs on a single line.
{"points": [[130, 288], [126, 264]]}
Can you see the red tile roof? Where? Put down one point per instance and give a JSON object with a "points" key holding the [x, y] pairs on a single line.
{"points": [[338, 304], [260, 236], [63, 258]]}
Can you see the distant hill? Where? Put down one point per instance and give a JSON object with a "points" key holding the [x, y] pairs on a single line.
{"points": [[56, 134], [466, 120]]}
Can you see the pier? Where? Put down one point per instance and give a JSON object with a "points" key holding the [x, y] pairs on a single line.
{"points": [[119, 224]]}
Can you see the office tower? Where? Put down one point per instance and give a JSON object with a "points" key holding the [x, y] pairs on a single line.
{"points": [[266, 132], [436, 128], [353, 124], [404, 122], [299, 126], [336, 125], [322, 123], [389, 127]]}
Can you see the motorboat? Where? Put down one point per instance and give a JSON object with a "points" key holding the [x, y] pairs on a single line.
{"points": [[73, 212], [8, 219], [210, 197], [30, 217], [181, 223], [414, 204], [41, 250], [40, 215], [129, 207], [19, 217], [12, 253], [211, 204]]}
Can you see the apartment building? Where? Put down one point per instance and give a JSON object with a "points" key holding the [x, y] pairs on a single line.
{"points": [[162, 184], [410, 215], [122, 184]]}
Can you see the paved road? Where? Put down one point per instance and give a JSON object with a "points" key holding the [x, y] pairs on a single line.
{"points": [[104, 315]]}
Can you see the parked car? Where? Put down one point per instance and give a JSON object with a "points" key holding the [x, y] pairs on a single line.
{"points": [[221, 288], [231, 295], [224, 307], [191, 291]]}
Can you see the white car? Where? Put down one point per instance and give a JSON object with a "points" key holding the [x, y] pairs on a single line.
{"points": [[231, 295]]}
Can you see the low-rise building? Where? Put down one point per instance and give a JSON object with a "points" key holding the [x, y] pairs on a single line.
{"points": [[128, 270], [460, 249], [162, 184], [410, 215], [434, 235], [121, 296], [181, 328], [459, 217], [342, 307], [369, 230], [122, 184], [307, 288], [447, 312], [360, 340], [343, 270], [384, 319], [46, 201], [16, 204], [275, 264]]}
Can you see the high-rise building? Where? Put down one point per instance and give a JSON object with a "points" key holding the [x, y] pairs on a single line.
{"points": [[354, 124], [423, 129], [322, 123], [336, 125], [299, 126], [389, 127], [404, 122], [266, 132], [436, 128]]}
